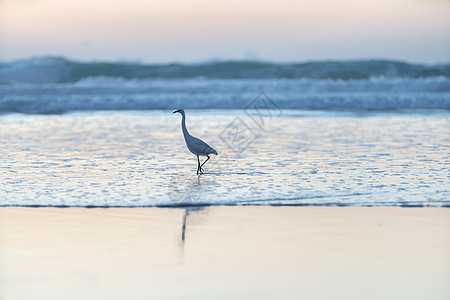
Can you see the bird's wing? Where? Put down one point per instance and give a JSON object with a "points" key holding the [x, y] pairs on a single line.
{"points": [[200, 146]]}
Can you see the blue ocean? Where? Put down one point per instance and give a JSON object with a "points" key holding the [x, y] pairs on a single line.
{"points": [[348, 133]]}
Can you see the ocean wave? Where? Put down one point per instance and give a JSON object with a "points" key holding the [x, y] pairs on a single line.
{"points": [[104, 93], [60, 70]]}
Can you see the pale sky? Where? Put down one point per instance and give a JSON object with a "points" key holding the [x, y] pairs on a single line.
{"points": [[196, 30]]}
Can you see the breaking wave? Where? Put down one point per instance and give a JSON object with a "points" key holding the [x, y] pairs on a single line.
{"points": [[60, 70], [57, 85]]}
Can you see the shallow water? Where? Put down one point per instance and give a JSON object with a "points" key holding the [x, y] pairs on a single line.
{"points": [[129, 158]]}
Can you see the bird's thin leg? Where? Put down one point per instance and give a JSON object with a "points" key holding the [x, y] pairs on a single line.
{"points": [[199, 168], [204, 162], [198, 164]]}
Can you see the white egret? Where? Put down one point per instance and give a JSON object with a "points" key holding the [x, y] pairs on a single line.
{"points": [[195, 145]]}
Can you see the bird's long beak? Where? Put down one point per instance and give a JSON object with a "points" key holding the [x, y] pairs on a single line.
{"points": [[176, 111]]}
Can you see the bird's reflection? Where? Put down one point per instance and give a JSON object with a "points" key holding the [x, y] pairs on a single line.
{"points": [[183, 228], [188, 212], [186, 191], [193, 190]]}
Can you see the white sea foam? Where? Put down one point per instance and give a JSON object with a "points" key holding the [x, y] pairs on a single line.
{"points": [[104, 93]]}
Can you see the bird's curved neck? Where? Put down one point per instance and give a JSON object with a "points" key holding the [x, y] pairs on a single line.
{"points": [[183, 126]]}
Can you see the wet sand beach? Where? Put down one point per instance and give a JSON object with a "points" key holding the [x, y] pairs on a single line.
{"points": [[224, 252]]}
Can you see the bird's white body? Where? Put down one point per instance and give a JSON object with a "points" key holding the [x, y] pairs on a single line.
{"points": [[195, 145]]}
